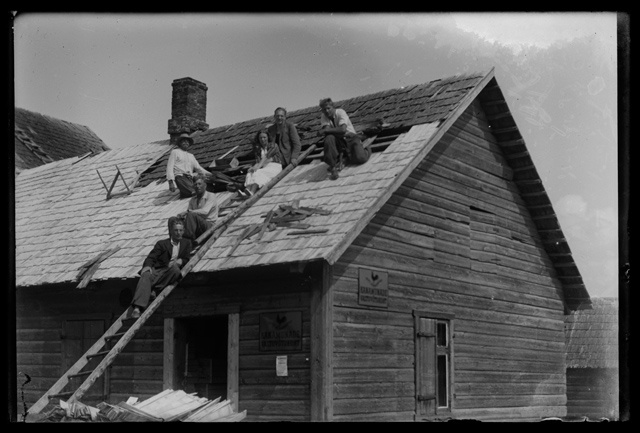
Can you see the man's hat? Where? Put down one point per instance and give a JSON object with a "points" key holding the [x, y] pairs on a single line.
{"points": [[187, 136]]}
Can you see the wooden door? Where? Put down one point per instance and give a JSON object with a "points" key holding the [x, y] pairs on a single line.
{"points": [[79, 336]]}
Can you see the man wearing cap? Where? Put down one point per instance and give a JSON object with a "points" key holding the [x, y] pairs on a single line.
{"points": [[181, 167]]}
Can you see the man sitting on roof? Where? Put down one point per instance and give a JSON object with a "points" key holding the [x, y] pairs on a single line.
{"points": [[162, 266], [339, 137], [181, 167], [202, 211]]}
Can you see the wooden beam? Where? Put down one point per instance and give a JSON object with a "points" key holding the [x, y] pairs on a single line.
{"points": [[565, 265], [550, 230], [544, 217], [233, 360], [102, 180], [90, 268], [529, 182], [560, 254], [517, 155], [510, 143], [265, 224], [531, 194], [168, 355], [123, 181], [500, 115], [553, 241], [494, 102], [308, 232], [538, 206], [322, 347], [513, 128]]}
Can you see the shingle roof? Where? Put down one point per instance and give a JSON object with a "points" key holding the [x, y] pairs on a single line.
{"points": [[40, 139], [592, 335], [63, 206], [401, 108], [63, 219], [350, 199]]}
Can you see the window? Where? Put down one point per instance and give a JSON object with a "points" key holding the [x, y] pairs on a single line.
{"points": [[434, 372]]}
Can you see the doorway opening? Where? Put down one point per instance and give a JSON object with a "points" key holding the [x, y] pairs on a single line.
{"points": [[201, 355]]}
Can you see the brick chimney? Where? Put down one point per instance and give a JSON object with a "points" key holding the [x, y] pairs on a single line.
{"points": [[188, 107]]}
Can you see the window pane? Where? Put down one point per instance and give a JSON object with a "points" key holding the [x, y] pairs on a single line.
{"points": [[442, 381], [442, 334]]}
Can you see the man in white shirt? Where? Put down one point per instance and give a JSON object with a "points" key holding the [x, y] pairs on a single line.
{"points": [[339, 137], [181, 167], [202, 211]]}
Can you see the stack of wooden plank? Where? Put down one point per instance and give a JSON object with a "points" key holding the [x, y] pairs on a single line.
{"points": [[170, 405], [167, 406]]}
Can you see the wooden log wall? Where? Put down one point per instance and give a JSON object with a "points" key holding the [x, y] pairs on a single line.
{"points": [[264, 395], [40, 341], [455, 238], [138, 370], [593, 393]]}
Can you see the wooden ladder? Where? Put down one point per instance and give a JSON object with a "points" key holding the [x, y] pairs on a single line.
{"points": [[112, 334]]}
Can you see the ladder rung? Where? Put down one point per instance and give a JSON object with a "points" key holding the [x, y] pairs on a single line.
{"points": [[114, 336], [95, 355], [61, 394], [82, 373]]}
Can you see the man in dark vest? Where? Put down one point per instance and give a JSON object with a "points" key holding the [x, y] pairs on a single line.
{"points": [[285, 135]]}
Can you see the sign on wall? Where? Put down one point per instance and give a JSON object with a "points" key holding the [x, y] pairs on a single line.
{"points": [[373, 288], [281, 331]]}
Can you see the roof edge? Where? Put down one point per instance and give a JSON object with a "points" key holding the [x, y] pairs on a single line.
{"points": [[442, 128]]}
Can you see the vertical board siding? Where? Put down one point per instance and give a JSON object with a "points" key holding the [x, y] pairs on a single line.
{"points": [[454, 238]]}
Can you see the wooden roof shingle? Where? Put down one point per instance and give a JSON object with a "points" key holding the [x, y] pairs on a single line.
{"points": [[40, 139]]}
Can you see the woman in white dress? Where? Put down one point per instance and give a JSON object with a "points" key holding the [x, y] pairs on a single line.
{"points": [[268, 163]]}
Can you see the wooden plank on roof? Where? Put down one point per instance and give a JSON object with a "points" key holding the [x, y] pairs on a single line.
{"points": [[87, 273]]}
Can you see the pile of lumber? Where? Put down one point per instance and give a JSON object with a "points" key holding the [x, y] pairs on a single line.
{"points": [[284, 216], [167, 406]]}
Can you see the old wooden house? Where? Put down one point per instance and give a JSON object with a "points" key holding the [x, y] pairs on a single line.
{"points": [[41, 139], [434, 286], [593, 372]]}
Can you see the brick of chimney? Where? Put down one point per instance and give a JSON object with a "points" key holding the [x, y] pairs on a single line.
{"points": [[188, 107]]}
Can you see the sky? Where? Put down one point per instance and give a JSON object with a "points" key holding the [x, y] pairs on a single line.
{"points": [[558, 73]]}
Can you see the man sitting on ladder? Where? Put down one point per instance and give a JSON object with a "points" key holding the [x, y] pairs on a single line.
{"points": [[162, 266], [202, 211]]}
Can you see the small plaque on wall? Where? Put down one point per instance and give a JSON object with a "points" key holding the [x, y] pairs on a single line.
{"points": [[373, 288], [281, 331]]}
